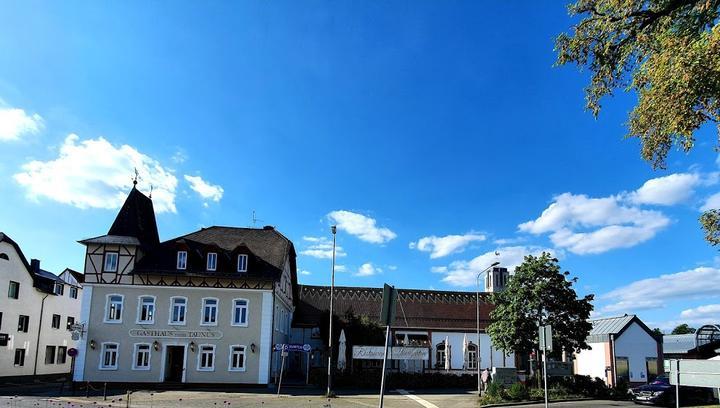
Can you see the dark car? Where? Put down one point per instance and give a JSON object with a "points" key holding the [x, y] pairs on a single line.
{"points": [[660, 392]]}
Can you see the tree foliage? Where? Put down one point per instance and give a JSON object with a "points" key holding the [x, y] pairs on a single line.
{"points": [[539, 294], [683, 329], [668, 52]]}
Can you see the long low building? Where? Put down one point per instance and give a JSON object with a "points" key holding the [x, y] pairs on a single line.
{"points": [[426, 318]]}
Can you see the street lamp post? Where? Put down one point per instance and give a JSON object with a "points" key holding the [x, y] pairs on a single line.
{"points": [[477, 314], [333, 229]]}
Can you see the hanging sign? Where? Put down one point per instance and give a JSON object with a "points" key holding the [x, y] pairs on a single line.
{"points": [[305, 348]]}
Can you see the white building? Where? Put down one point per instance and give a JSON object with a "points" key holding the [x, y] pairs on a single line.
{"points": [[202, 308], [37, 309], [622, 349]]}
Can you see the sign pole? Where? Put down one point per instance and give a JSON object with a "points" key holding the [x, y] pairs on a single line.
{"points": [[382, 381], [283, 352], [545, 375], [677, 383]]}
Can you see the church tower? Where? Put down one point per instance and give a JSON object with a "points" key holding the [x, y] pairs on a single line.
{"points": [[496, 279]]}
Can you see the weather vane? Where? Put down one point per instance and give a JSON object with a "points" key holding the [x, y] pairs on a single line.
{"points": [[137, 177]]}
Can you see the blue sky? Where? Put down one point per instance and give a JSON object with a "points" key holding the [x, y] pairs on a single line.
{"points": [[433, 133]]}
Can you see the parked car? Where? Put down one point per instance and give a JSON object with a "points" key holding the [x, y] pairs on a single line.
{"points": [[660, 392]]}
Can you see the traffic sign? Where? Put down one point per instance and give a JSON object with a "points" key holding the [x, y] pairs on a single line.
{"points": [[545, 336], [389, 302]]}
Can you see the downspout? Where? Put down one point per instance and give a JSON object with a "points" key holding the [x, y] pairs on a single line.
{"points": [[612, 360], [37, 343]]}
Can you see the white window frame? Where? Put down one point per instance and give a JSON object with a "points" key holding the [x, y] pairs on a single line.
{"points": [[245, 257], [472, 364], [247, 313], [59, 289], [184, 258], [207, 263], [136, 350], [185, 314], [103, 350], [113, 268], [200, 354], [140, 307], [202, 312], [230, 358], [73, 289], [107, 309]]}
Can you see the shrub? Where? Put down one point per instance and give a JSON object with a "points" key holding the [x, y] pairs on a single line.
{"points": [[537, 394], [517, 392], [495, 390]]}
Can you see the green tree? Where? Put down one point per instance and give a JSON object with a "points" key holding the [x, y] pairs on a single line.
{"points": [[539, 294], [658, 332], [668, 53], [683, 329]]}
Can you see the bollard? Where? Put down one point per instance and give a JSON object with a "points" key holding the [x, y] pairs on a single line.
{"points": [[104, 391], [87, 389]]}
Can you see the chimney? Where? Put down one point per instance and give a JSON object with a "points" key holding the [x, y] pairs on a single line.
{"points": [[268, 227], [35, 265]]}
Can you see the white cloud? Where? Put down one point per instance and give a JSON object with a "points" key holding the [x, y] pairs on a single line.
{"points": [[667, 190], [710, 312], [179, 157], [444, 246], [340, 268], [654, 293], [392, 267], [711, 203], [464, 273], [321, 248], [95, 174], [304, 272], [204, 189], [611, 224], [368, 269], [361, 226], [15, 123]]}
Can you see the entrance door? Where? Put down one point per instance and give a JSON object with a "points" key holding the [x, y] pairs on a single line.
{"points": [[174, 363]]}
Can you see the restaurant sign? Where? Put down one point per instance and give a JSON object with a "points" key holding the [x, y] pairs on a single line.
{"points": [[176, 334], [394, 353]]}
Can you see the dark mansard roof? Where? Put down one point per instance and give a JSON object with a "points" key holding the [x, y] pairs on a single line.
{"points": [[136, 219]]}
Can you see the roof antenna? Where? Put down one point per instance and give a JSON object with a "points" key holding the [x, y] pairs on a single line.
{"points": [[254, 219]]}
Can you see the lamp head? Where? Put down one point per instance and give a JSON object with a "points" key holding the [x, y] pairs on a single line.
{"points": [[333, 229]]}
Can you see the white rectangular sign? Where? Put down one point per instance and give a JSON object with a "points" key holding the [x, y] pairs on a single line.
{"points": [[696, 373], [394, 353], [176, 334]]}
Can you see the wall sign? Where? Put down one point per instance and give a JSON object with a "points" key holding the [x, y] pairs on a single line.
{"points": [[394, 353], [176, 334], [305, 348]]}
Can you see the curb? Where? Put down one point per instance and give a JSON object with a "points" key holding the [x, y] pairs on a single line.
{"points": [[529, 402]]}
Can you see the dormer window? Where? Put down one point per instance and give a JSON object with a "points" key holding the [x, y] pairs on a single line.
{"points": [[242, 263], [182, 260], [111, 262], [211, 261], [59, 289]]}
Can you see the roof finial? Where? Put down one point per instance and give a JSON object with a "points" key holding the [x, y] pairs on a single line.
{"points": [[151, 190], [135, 179]]}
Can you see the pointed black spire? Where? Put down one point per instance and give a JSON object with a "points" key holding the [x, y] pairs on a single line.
{"points": [[137, 219]]}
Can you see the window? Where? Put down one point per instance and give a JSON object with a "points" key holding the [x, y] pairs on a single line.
{"points": [[146, 310], [59, 289], [178, 307], [56, 321], [142, 357], [50, 355], [440, 355], [206, 358], [237, 358], [242, 263], [211, 261], [652, 368], [472, 357], [622, 369], [113, 309], [111, 262], [61, 354], [19, 357], [73, 292], [182, 259], [14, 290], [240, 311], [4, 256], [70, 322], [209, 312], [23, 323], [109, 356], [1, 315]]}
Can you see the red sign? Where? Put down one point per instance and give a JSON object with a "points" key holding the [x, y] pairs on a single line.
{"points": [[72, 352]]}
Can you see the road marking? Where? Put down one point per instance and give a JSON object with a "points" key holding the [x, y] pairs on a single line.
{"points": [[417, 399]]}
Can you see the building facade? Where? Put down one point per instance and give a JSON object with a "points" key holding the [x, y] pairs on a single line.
{"points": [[205, 307], [623, 349], [37, 310]]}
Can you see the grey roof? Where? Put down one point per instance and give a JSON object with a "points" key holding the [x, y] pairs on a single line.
{"points": [[603, 328], [49, 275], [112, 239], [678, 343]]}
